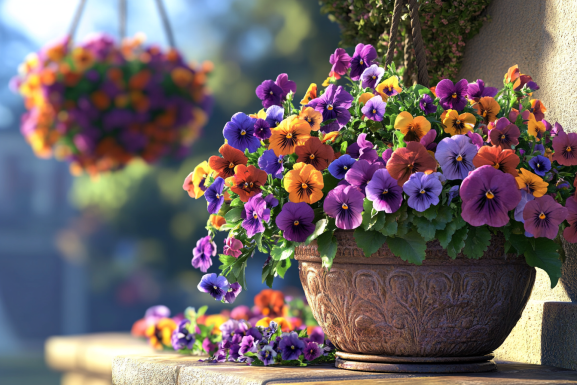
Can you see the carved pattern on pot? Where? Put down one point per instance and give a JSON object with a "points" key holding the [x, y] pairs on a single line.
{"points": [[441, 309]]}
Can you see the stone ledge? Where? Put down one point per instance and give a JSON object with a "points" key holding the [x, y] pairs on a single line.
{"points": [[173, 369], [545, 335]]}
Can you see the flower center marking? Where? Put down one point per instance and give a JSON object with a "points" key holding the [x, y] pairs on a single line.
{"points": [[459, 158], [484, 114], [296, 223], [502, 136], [345, 206], [374, 77], [345, 168], [271, 93], [231, 165], [489, 195], [385, 191], [312, 156], [289, 135], [304, 185], [243, 132], [292, 347], [214, 287], [277, 123], [245, 184], [454, 95], [374, 111], [362, 62], [568, 149], [496, 165], [254, 216], [542, 216], [330, 107], [308, 118], [458, 121], [251, 184], [538, 165], [422, 191], [280, 161]]}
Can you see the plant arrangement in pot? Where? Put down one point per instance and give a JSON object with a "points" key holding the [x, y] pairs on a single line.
{"points": [[416, 214]]}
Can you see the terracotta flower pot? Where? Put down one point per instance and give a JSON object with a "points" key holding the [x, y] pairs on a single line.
{"points": [[443, 308]]}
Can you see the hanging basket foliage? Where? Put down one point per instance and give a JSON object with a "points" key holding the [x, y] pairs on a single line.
{"points": [[446, 26]]}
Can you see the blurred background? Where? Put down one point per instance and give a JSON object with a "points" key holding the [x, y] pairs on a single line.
{"points": [[81, 256]]}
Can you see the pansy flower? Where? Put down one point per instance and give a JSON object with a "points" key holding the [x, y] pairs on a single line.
{"points": [[312, 117], [488, 108], [532, 183], [375, 109], [239, 133], [455, 155], [334, 104], [271, 201], [339, 167], [312, 351], [272, 164], [233, 291], [291, 346], [525, 197], [217, 221], [408, 160], [296, 221], [254, 214], [429, 141], [246, 181], [414, 129], [362, 145], [540, 164], [476, 139], [455, 124], [361, 173], [365, 97], [427, 105], [505, 134], [384, 192], [341, 62], [194, 183], [315, 153], [267, 355], [452, 96], [182, 338], [570, 233], [290, 133], [389, 87], [543, 216], [565, 146], [488, 195], [231, 157], [214, 196], [477, 90], [310, 94], [215, 285], [285, 85], [274, 116], [535, 128], [538, 109], [518, 79], [504, 160], [345, 204], [362, 59], [270, 94], [261, 129], [202, 254], [232, 247], [423, 191], [372, 76], [304, 183]]}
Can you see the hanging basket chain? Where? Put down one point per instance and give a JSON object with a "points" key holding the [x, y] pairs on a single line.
{"points": [[166, 23], [76, 19], [122, 19], [394, 30]]}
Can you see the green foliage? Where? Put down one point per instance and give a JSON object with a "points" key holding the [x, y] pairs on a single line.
{"points": [[327, 246], [540, 252], [409, 247], [369, 241], [478, 239]]}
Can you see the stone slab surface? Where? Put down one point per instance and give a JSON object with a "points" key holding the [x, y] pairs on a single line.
{"points": [[173, 369]]}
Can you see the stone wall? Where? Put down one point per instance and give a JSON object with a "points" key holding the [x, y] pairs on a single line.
{"points": [[541, 37]]}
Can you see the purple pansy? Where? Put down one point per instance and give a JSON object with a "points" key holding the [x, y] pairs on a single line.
{"points": [[154, 313], [270, 94], [375, 108], [267, 354], [274, 115], [248, 344], [271, 201], [339, 167], [423, 191], [429, 140], [455, 155], [362, 59], [233, 292], [345, 204], [334, 104], [372, 76], [285, 85], [341, 61], [362, 149], [452, 96], [207, 345], [202, 254], [387, 154], [254, 213], [361, 173], [271, 163], [312, 351], [427, 105], [232, 247], [543, 216], [525, 197], [540, 165], [453, 192], [215, 285], [214, 196], [476, 139], [239, 132], [296, 221], [182, 338], [290, 346], [261, 129], [384, 191], [488, 195], [477, 90], [330, 127], [532, 86]]}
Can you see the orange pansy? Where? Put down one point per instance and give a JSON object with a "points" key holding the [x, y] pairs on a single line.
{"points": [[413, 128], [456, 124], [246, 181], [312, 117], [315, 153], [290, 133], [304, 183], [310, 94], [231, 157], [535, 184], [488, 108]]}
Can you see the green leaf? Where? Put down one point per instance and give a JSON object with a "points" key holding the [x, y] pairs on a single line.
{"points": [[201, 311], [236, 202], [478, 239], [344, 146], [330, 183], [233, 215], [519, 242], [425, 227], [444, 236], [227, 260], [430, 213], [369, 241], [457, 242], [390, 226], [368, 221], [268, 272], [381, 220], [411, 247], [327, 246], [545, 255], [282, 267], [259, 245], [319, 229], [279, 253], [444, 215]]}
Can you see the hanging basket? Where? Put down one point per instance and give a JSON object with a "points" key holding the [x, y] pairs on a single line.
{"points": [[100, 104]]}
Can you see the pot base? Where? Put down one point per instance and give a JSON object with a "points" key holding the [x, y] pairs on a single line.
{"points": [[395, 364]]}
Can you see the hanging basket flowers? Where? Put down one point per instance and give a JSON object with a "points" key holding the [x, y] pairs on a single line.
{"points": [[100, 104]]}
